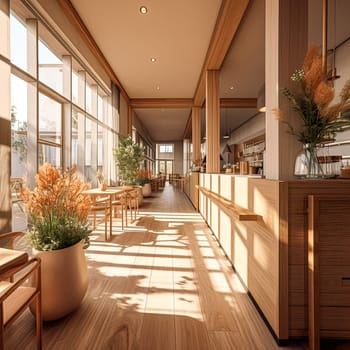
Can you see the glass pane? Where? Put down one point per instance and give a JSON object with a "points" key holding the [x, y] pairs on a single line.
{"points": [[50, 68], [169, 167], [50, 119], [100, 107], [49, 154], [18, 126], [162, 167], [88, 98], [89, 176], [74, 150], [18, 43], [75, 87], [100, 147]]}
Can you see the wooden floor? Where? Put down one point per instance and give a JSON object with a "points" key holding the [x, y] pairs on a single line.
{"points": [[162, 284]]}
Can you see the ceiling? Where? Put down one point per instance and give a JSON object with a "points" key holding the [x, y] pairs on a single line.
{"points": [[177, 34]]}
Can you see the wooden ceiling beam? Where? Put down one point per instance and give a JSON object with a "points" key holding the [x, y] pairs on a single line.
{"points": [[161, 103], [238, 102], [228, 20], [224, 103]]}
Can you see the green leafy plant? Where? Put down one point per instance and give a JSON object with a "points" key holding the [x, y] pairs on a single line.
{"points": [[18, 135], [142, 181], [57, 209], [128, 157]]}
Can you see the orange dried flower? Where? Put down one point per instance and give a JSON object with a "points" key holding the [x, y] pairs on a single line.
{"points": [[312, 101], [324, 94], [57, 194]]}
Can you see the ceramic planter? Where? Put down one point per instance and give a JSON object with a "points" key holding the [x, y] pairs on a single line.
{"points": [[146, 190], [64, 280]]}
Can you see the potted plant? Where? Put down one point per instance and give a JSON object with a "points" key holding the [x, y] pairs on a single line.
{"points": [[228, 167], [101, 180], [128, 156], [321, 117], [143, 179], [58, 230]]}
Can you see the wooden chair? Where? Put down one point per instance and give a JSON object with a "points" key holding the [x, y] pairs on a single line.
{"points": [[119, 205], [20, 286], [134, 203], [101, 204]]}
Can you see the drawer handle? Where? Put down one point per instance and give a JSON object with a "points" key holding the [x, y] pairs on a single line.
{"points": [[345, 278]]}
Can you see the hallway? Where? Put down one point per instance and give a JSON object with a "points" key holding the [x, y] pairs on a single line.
{"points": [[161, 284]]}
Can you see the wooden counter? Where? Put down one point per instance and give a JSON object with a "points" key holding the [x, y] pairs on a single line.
{"points": [[269, 253]]}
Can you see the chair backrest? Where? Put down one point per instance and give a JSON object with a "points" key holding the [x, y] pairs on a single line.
{"points": [[20, 285]]}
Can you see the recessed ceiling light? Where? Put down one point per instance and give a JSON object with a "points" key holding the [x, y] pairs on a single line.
{"points": [[158, 87], [143, 10], [226, 136], [153, 59], [232, 87]]}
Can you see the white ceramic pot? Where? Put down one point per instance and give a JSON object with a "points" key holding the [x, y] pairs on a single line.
{"points": [[64, 280], [146, 190]]}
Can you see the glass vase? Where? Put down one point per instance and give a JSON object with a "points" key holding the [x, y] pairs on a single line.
{"points": [[307, 164]]}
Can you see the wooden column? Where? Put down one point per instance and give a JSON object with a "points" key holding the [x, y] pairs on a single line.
{"points": [[5, 118], [286, 44], [213, 121], [196, 133]]}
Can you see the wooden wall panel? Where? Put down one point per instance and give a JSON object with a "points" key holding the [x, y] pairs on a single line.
{"points": [[252, 246]]}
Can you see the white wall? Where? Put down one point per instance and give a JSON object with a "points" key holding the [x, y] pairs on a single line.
{"points": [[178, 158], [252, 128]]}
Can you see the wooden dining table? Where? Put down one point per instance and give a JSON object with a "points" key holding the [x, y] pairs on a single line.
{"points": [[110, 192]]}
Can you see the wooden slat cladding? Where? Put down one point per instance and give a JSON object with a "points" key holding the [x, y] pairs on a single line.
{"points": [[334, 252], [252, 246]]}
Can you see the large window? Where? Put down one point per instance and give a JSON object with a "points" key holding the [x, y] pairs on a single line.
{"points": [[166, 148], [50, 120], [18, 40], [19, 127], [64, 115], [50, 68]]}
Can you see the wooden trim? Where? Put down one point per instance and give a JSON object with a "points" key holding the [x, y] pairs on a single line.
{"points": [[224, 103], [188, 128], [228, 20], [283, 273], [78, 23], [161, 103], [237, 211], [130, 119], [314, 273], [238, 102]]}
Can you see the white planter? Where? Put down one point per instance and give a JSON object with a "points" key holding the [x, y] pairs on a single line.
{"points": [[64, 280], [146, 190]]}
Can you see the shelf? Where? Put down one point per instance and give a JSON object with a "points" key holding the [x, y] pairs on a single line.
{"points": [[237, 211]]}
